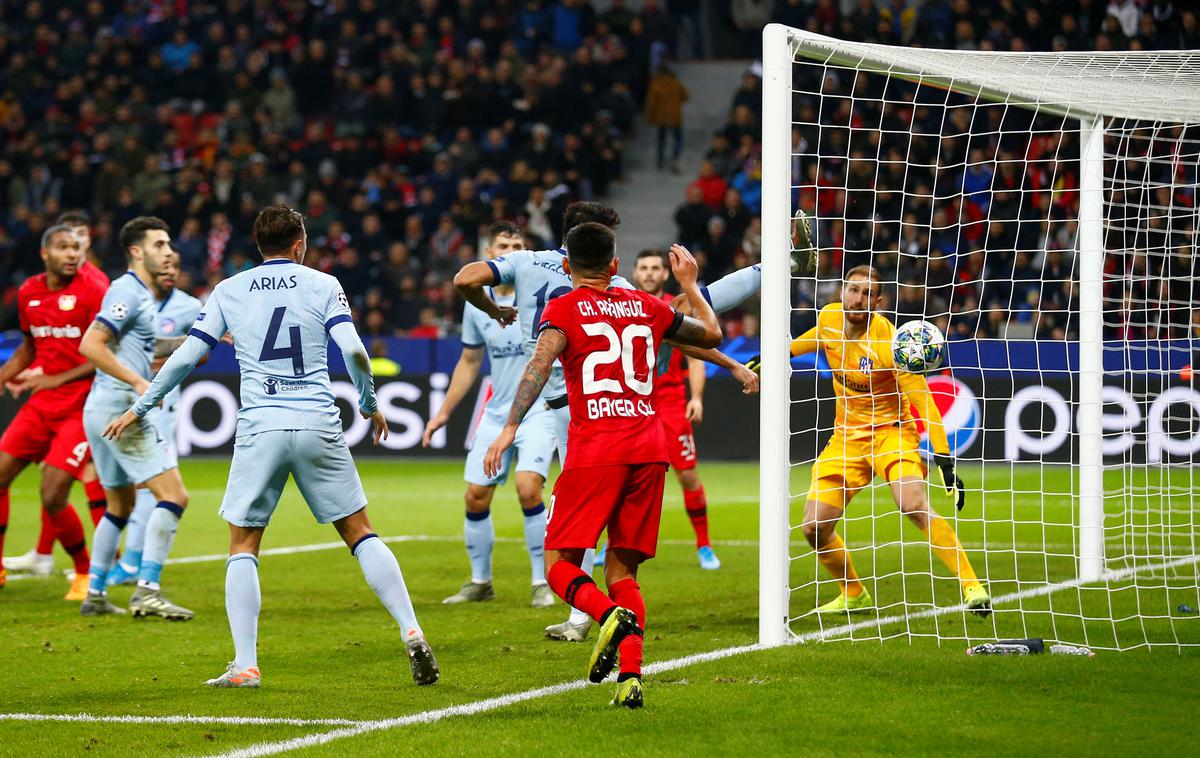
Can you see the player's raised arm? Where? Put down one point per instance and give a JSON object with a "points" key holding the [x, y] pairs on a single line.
{"points": [[470, 281], [701, 329], [550, 345], [916, 391]]}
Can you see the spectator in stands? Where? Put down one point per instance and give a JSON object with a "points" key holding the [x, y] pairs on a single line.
{"points": [[664, 110]]}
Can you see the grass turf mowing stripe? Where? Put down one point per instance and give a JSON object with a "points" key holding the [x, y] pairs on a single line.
{"points": [[503, 701], [87, 718]]}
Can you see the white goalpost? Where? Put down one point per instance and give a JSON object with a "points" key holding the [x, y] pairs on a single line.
{"points": [[1043, 209]]}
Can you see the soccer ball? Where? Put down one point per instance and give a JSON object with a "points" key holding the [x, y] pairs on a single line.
{"points": [[918, 347]]}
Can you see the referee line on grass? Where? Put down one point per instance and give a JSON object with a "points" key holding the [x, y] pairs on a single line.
{"points": [[503, 701]]}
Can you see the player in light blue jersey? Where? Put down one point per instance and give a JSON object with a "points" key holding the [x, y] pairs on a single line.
{"points": [[176, 312], [120, 342], [535, 437], [281, 316], [731, 290]]}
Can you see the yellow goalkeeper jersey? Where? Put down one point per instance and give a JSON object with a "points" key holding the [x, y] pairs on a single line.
{"points": [[870, 390]]}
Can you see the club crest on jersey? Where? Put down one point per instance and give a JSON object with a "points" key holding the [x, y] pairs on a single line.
{"points": [[342, 300], [167, 326], [865, 365], [118, 310], [66, 303]]}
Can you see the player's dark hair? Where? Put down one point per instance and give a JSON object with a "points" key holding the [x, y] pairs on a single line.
{"points": [[135, 230], [276, 228], [505, 227], [660, 254], [73, 219], [590, 247], [869, 272], [48, 235], [585, 211]]}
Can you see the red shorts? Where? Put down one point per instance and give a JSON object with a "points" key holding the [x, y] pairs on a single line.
{"points": [[59, 442], [681, 445], [627, 500]]}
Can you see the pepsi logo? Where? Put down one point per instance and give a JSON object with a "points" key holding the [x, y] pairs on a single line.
{"points": [[961, 414]]}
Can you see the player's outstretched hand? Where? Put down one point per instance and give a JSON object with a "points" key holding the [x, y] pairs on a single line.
{"points": [[495, 454], [435, 423], [684, 266], [695, 410], [954, 485], [748, 378], [117, 426], [505, 314], [379, 427]]}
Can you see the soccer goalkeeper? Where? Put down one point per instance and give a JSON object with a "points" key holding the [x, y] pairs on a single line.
{"points": [[876, 433]]}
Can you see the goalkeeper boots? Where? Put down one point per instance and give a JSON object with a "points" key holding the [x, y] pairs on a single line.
{"points": [[804, 252], [98, 604], [977, 600], [568, 632], [148, 602], [843, 603], [629, 693], [471, 592], [621, 623], [420, 656], [233, 678]]}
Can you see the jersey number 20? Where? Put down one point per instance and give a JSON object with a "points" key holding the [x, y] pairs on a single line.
{"points": [[619, 348], [294, 349]]}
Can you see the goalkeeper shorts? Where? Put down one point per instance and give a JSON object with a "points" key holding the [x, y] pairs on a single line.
{"points": [[852, 458]]}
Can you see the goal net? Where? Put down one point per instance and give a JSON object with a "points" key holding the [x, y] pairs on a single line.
{"points": [[1041, 210]]}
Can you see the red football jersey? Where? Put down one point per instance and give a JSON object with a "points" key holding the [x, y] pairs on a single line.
{"points": [[55, 321], [670, 386], [609, 363]]}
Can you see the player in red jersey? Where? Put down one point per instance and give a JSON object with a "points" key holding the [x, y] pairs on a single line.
{"points": [[676, 376], [40, 560], [616, 451], [55, 308]]}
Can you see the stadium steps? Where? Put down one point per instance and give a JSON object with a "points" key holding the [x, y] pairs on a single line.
{"points": [[648, 199]]}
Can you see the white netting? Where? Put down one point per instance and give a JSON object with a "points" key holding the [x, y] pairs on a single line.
{"points": [[958, 175]]}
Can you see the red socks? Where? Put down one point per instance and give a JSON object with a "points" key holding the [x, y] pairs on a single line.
{"points": [[577, 589], [3, 518], [69, 531], [697, 510], [627, 594], [45, 540]]}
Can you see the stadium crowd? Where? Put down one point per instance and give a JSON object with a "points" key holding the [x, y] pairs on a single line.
{"points": [[399, 128], [968, 209]]}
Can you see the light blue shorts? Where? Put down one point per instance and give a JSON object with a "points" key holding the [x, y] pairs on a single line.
{"points": [[534, 448], [320, 462], [139, 456], [562, 422], [164, 420]]}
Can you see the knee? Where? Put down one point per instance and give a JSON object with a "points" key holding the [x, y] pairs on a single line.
{"points": [[913, 502], [529, 496], [181, 499], [689, 480], [811, 530], [477, 499]]}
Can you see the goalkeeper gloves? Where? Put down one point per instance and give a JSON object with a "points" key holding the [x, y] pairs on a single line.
{"points": [[944, 465], [755, 364]]}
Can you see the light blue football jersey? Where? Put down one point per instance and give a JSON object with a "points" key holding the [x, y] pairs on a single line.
{"points": [[539, 278], [506, 355], [130, 311], [176, 314], [279, 315]]}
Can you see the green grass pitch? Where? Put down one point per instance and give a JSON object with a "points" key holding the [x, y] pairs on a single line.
{"points": [[329, 651]]}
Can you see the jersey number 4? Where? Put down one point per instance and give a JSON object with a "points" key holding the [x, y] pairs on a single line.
{"points": [[294, 349], [620, 347]]}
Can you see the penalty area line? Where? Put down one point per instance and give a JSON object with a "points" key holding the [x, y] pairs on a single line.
{"points": [[87, 718], [503, 701]]}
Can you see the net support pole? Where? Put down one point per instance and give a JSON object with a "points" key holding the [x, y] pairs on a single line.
{"points": [[775, 402], [1091, 349]]}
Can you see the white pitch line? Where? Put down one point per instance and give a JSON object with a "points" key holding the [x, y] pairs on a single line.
{"points": [[503, 701], [87, 718]]}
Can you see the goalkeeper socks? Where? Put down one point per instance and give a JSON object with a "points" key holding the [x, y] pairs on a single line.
{"points": [[949, 550], [535, 540], [97, 502], [696, 505], [135, 533], [382, 572], [627, 594], [243, 601], [480, 536], [4, 506], [578, 590], [834, 556], [69, 531], [577, 616], [160, 533], [104, 548]]}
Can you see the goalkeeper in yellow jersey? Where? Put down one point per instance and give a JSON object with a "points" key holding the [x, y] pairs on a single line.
{"points": [[876, 434]]}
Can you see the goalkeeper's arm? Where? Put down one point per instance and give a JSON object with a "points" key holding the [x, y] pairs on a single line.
{"points": [[916, 391], [805, 343]]}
